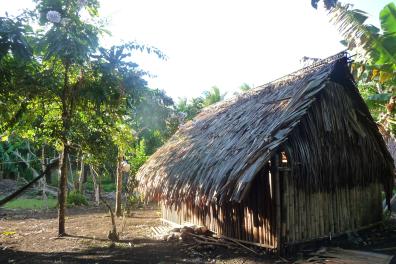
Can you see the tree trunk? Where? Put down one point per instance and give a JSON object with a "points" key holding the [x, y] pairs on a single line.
{"points": [[62, 192], [44, 164], [81, 177], [70, 182], [66, 122], [96, 182], [43, 181], [119, 186]]}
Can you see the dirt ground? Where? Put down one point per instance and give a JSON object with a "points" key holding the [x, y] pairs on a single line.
{"points": [[28, 236]]}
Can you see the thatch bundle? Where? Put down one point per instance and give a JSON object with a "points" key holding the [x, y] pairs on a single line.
{"points": [[316, 116]]}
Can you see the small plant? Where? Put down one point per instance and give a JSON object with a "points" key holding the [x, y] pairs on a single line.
{"points": [[76, 198], [133, 200]]}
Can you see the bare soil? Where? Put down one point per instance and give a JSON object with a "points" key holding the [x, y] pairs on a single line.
{"points": [[28, 236], [35, 240]]}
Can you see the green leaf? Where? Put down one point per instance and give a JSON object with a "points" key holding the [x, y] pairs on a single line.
{"points": [[388, 19], [4, 138], [384, 97]]}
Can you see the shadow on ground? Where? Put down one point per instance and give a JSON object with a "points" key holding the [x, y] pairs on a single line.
{"points": [[133, 251]]}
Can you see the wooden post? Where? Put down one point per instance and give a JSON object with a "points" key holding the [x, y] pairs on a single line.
{"points": [[277, 196]]}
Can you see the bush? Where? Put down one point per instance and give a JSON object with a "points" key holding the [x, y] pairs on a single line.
{"points": [[134, 200], [76, 198]]}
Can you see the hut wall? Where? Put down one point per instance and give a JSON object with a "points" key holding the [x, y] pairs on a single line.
{"points": [[337, 167], [305, 215], [310, 215], [333, 167], [253, 220]]}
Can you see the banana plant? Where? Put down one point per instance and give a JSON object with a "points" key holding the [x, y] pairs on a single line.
{"points": [[374, 62], [374, 47]]}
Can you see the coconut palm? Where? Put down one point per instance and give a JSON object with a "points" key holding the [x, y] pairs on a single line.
{"points": [[213, 96]]}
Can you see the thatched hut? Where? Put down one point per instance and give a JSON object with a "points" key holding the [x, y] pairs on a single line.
{"points": [[293, 160]]}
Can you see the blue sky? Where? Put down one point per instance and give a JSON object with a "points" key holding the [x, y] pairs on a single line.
{"points": [[220, 42]]}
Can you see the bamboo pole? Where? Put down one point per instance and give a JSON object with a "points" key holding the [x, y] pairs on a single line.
{"points": [[269, 226], [348, 209], [260, 205], [277, 193], [306, 216], [285, 206], [344, 209], [324, 202], [293, 200], [324, 212], [332, 214], [336, 212], [266, 209], [311, 224], [298, 213]]}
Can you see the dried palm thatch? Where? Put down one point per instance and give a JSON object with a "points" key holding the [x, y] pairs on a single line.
{"points": [[216, 156]]}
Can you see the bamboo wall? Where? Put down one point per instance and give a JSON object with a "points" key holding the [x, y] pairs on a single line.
{"points": [[309, 215], [303, 215], [253, 221]]}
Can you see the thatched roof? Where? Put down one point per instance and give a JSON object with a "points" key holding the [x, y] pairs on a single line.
{"points": [[217, 155]]}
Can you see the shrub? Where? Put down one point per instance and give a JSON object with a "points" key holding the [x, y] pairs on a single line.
{"points": [[76, 198]]}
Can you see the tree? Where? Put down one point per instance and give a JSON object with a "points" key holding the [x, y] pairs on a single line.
{"points": [[243, 88], [189, 109], [154, 119], [76, 96], [213, 96], [67, 45], [327, 3]]}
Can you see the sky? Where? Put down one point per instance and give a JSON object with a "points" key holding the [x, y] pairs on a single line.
{"points": [[222, 43]]}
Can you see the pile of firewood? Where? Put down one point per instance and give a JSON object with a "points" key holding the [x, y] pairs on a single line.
{"points": [[186, 233], [198, 236]]}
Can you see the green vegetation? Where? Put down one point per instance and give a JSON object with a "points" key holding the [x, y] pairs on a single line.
{"points": [[107, 185], [62, 93], [374, 63], [31, 203], [76, 198], [188, 109]]}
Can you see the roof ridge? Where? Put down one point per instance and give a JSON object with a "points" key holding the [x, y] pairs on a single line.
{"points": [[291, 77], [306, 70]]}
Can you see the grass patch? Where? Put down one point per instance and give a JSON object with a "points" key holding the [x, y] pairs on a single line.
{"points": [[107, 185], [22, 203]]}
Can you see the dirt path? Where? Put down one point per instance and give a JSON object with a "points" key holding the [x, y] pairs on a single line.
{"points": [[30, 237]]}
